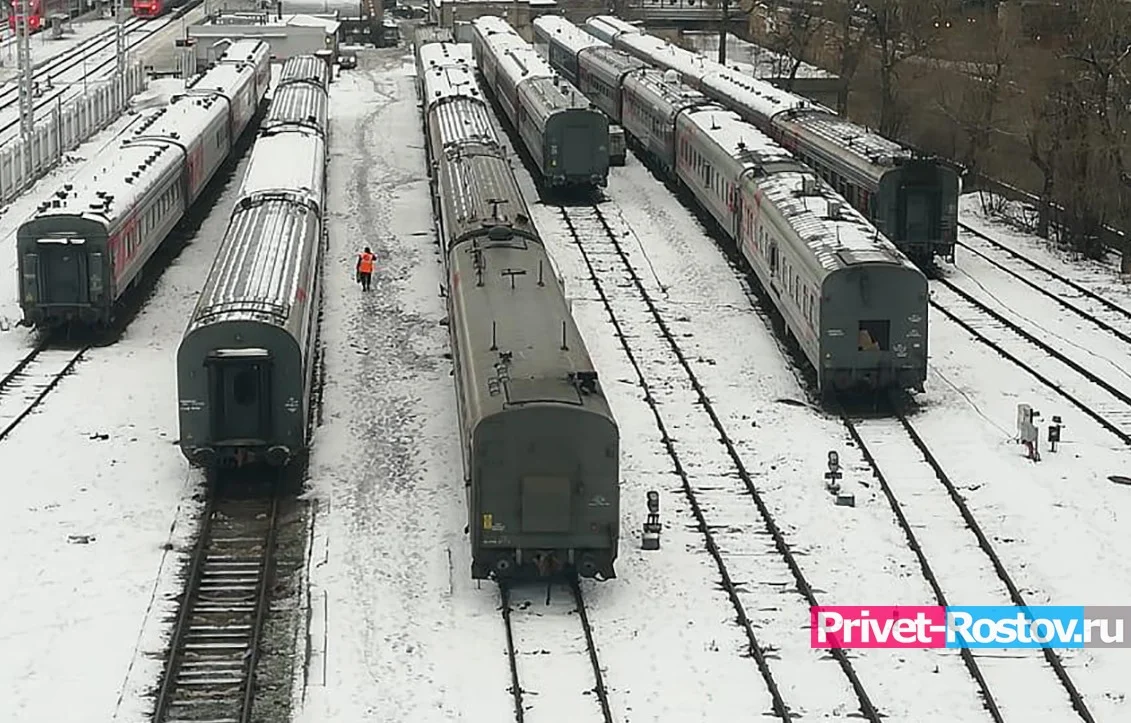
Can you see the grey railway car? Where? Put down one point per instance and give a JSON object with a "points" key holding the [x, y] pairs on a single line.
{"points": [[540, 445], [88, 243], [245, 366], [566, 137], [298, 104], [651, 105], [305, 69], [560, 41], [909, 197], [601, 74], [856, 305]]}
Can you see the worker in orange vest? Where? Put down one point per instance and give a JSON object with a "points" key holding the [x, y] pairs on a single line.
{"points": [[365, 262]]}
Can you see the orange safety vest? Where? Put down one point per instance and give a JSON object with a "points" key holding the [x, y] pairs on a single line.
{"points": [[365, 263]]}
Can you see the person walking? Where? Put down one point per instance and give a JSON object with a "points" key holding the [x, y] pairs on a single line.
{"points": [[365, 261]]}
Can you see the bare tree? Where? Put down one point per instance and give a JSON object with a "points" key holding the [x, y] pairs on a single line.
{"points": [[1045, 133], [849, 43], [899, 29], [793, 40]]}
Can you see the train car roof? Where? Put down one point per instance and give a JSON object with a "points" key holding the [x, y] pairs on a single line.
{"points": [[221, 79], [451, 82], [483, 194], [257, 270], [672, 93], [612, 24], [107, 187], [613, 60], [761, 97], [736, 137], [837, 234], [869, 147], [494, 25], [462, 120], [291, 164], [443, 55], [524, 63], [305, 69], [682, 61], [557, 94], [569, 35], [244, 51], [299, 103]]}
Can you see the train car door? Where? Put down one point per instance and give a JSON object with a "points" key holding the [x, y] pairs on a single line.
{"points": [[240, 394], [63, 272]]}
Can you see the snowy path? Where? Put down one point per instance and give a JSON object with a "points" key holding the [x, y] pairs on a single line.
{"points": [[399, 631], [1093, 393], [551, 656], [1020, 681]]}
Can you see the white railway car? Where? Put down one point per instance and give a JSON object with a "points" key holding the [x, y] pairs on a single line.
{"points": [[89, 241]]}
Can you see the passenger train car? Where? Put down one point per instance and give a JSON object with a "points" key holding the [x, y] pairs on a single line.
{"points": [[856, 306], [40, 11], [539, 441], [566, 137], [246, 363], [155, 8], [911, 199], [88, 242]]}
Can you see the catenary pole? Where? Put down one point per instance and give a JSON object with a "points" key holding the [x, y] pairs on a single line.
{"points": [[27, 78]]}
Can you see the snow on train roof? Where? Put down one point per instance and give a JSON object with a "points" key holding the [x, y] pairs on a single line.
{"points": [[302, 102], [844, 134], [837, 234], [611, 25], [461, 121], [494, 25], [524, 63], [737, 137], [290, 163], [672, 92], [670, 56], [614, 60], [304, 69], [243, 50], [440, 55], [569, 35], [450, 82], [223, 78], [759, 96]]}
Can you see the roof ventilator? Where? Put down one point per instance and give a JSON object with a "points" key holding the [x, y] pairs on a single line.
{"points": [[834, 210], [809, 186]]}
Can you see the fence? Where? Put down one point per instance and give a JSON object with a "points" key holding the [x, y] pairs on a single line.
{"points": [[63, 128]]}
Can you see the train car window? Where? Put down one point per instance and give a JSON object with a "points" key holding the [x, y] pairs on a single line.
{"points": [[874, 335], [245, 387], [773, 258]]}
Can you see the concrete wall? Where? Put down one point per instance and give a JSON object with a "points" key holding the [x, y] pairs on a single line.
{"points": [[23, 162], [285, 40]]}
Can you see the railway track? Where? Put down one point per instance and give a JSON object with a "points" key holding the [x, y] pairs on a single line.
{"points": [[554, 662], [66, 90], [920, 492], [746, 560], [1083, 388], [70, 59], [1080, 300], [25, 387], [210, 670]]}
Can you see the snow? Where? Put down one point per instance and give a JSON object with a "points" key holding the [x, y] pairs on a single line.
{"points": [[286, 162], [105, 467], [404, 634], [763, 99], [456, 81], [606, 27], [662, 53], [750, 59], [562, 31], [66, 82], [445, 54]]}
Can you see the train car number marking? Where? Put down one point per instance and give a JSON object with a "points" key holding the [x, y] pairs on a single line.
{"points": [[291, 405], [599, 501], [191, 405], [487, 519]]}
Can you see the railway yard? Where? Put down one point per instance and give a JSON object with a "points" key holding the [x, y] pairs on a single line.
{"points": [[353, 600]]}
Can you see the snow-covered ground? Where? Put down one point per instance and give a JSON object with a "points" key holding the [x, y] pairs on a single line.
{"points": [[87, 615], [401, 632]]}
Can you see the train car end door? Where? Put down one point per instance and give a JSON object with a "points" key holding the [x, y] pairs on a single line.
{"points": [[240, 387]]}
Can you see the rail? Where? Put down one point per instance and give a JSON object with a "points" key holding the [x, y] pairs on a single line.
{"points": [[27, 384], [781, 709], [214, 651]]}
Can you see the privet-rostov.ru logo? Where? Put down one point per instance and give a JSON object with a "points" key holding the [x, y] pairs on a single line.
{"points": [[961, 626]]}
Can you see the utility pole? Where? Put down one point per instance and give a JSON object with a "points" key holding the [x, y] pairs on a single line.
{"points": [[119, 40], [27, 79], [723, 33]]}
